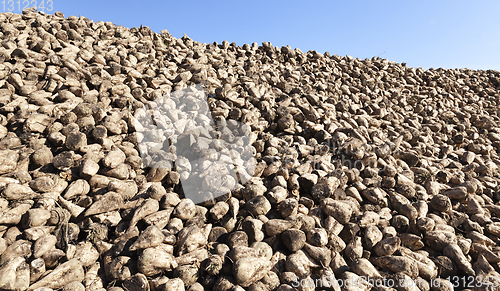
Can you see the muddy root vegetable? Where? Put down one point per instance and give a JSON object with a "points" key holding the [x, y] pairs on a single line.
{"points": [[454, 252], [15, 275], [74, 209], [194, 257], [74, 286], [119, 268], [153, 261], [341, 211], [188, 274], [86, 253], [240, 252], [253, 228], [52, 257], [14, 215], [159, 219], [109, 202], [63, 274], [125, 188], [277, 226], [37, 269], [249, 270], [397, 264], [137, 282], [185, 210], [322, 255], [149, 238], [175, 284], [17, 192], [364, 268], [149, 206], [19, 248], [92, 279], [3, 245], [300, 263], [35, 217], [43, 245], [190, 238]]}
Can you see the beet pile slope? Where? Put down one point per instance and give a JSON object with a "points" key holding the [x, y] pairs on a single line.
{"points": [[363, 168]]}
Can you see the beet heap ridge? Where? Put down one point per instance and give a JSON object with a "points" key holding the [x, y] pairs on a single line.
{"points": [[363, 169]]}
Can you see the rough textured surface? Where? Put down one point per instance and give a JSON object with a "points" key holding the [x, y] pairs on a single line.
{"points": [[364, 167]]}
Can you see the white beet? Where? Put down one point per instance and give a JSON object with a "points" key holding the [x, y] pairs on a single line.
{"points": [[153, 261], [63, 274], [249, 270]]}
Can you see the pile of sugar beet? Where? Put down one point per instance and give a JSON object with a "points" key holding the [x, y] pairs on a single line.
{"points": [[365, 168]]}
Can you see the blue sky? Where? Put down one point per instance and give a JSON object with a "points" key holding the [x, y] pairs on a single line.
{"points": [[447, 34]]}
